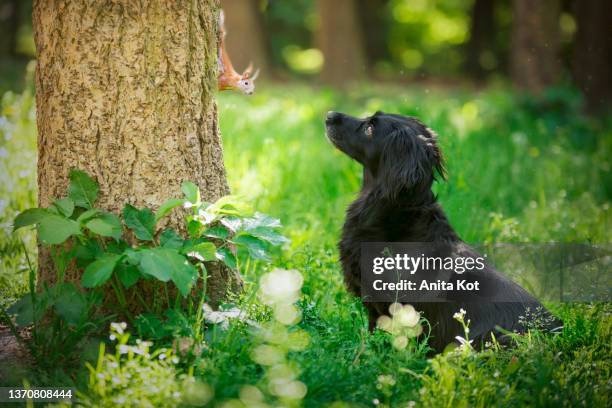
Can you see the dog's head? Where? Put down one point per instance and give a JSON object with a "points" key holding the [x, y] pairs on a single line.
{"points": [[398, 152]]}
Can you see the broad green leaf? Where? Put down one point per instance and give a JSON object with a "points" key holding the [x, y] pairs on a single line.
{"points": [[260, 220], [28, 312], [23, 309], [167, 264], [191, 191], [133, 256], [142, 222], [65, 206], [30, 217], [56, 229], [230, 205], [205, 250], [255, 246], [268, 235], [234, 224], [127, 274], [185, 277], [105, 224], [83, 190], [160, 262], [88, 215], [99, 271], [226, 256], [69, 303], [170, 239], [168, 206], [217, 232]]}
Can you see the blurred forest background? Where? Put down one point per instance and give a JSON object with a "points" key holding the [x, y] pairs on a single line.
{"points": [[533, 44]]}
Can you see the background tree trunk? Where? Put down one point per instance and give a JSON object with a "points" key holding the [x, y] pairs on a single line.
{"points": [[535, 44], [482, 35], [246, 39], [593, 52], [125, 91], [10, 17], [374, 19], [340, 39]]}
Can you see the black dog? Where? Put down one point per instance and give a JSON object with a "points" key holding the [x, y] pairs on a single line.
{"points": [[401, 160]]}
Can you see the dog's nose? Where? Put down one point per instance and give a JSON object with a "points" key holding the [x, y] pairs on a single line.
{"points": [[332, 117]]}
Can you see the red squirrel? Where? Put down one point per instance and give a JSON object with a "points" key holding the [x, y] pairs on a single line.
{"points": [[228, 77]]}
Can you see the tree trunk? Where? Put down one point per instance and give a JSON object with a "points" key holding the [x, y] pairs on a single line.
{"points": [[10, 17], [125, 91], [340, 40], [246, 39], [482, 35], [593, 52], [535, 44], [374, 18]]}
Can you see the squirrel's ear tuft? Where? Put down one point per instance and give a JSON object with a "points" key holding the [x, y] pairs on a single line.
{"points": [[247, 72]]}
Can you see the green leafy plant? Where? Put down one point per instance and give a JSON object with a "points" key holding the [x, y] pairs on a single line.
{"points": [[120, 251], [95, 237]]}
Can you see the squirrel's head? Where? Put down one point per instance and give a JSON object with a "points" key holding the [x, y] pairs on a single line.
{"points": [[247, 81]]}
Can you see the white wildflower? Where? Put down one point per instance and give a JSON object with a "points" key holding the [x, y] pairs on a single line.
{"points": [[459, 315], [119, 328]]}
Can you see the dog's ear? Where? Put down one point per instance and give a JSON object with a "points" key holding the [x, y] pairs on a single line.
{"points": [[431, 141], [408, 162]]}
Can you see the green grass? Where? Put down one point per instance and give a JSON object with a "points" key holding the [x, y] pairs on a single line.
{"points": [[520, 170]]}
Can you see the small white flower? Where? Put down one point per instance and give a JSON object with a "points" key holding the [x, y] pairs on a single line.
{"points": [[112, 337], [187, 205], [124, 349], [162, 356], [459, 315], [119, 328], [463, 341]]}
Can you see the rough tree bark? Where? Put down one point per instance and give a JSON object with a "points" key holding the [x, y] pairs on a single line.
{"points": [[593, 52], [341, 41], [246, 39], [125, 91], [535, 44]]}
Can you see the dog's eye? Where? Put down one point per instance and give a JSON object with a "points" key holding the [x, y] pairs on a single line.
{"points": [[369, 130]]}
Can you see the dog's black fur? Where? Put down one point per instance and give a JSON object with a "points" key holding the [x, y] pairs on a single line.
{"points": [[401, 160]]}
